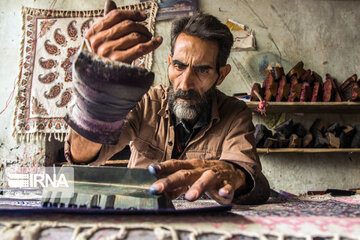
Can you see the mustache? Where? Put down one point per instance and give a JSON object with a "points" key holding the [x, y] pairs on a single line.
{"points": [[188, 95]]}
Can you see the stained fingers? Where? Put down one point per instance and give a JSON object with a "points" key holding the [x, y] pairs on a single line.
{"points": [[181, 178], [118, 31], [114, 17], [121, 44], [198, 180], [171, 166], [206, 181], [218, 178], [227, 191], [137, 51]]}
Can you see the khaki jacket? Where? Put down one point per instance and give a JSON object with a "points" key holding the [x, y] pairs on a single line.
{"points": [[229, 136]]}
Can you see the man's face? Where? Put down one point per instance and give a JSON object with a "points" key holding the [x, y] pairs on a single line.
{"points": [[192, 74]]}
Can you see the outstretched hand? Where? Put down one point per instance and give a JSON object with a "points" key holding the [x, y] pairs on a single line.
{"points": [[121, 36], [219, 179]]}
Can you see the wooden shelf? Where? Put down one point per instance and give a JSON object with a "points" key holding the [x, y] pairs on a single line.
{"points": [[308, 107], [307, 150]]}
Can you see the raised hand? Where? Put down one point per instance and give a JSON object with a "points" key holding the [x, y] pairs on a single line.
{"points": [[219, 179], [107, 91], [121, 36]]}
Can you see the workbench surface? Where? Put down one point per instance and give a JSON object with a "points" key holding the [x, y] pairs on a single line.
{"points": [[320, 217]]}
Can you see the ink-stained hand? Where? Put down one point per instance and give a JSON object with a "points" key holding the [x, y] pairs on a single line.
{"points": [[219, 179], [121, 36]]}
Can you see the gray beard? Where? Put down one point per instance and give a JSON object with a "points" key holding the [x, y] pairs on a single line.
{"points": [[186, 110]]}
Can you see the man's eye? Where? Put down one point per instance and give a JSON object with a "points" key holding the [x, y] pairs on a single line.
{"points": [[203, 70], [179, 66]]}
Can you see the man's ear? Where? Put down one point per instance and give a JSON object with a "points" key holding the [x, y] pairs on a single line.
{"points": [[169, 58], [223, 72]]}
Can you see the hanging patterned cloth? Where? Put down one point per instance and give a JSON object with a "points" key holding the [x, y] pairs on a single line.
{"points": [[51, 38]]}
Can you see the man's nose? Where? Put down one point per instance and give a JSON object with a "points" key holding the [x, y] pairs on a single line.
{"points": [[188, 79]]}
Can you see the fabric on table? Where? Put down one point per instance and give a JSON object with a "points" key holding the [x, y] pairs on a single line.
{"points": [[307, 217], [51, 38]]}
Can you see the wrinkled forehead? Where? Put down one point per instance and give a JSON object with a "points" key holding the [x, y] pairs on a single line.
{"points": [[194, 51]]}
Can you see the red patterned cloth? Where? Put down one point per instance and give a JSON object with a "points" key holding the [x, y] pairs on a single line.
{"points": [[51, 38]]}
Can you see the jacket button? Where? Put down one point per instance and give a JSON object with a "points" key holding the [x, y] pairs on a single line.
{"points": [[170, 143]]}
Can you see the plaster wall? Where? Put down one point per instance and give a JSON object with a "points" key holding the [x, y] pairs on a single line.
{"points": [[323, 34]]}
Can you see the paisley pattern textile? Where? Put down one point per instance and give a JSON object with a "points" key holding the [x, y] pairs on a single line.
{"points": [[51, 38]]}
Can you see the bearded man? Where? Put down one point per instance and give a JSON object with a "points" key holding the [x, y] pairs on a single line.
{"points": [[193, 137]]}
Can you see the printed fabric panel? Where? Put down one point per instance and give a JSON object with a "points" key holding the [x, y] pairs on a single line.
{"points": [[51, 38]]}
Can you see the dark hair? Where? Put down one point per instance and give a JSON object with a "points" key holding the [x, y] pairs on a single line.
{"points": [[205, 26]]}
